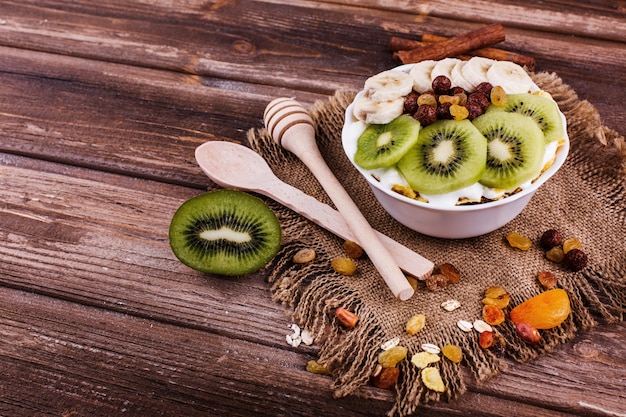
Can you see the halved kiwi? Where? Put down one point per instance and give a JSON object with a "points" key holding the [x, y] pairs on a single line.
{"points": [[225, 232], [381, 146], [541, 109], [448, 155], [515, 149]]}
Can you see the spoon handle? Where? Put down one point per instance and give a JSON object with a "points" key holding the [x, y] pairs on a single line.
{"points": [[330, 219], [291, 127]]}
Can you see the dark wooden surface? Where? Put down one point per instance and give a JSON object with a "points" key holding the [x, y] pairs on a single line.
{"points": [[101, 107]]}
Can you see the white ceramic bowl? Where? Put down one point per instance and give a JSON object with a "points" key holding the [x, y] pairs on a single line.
{"points": [[454, 222]]}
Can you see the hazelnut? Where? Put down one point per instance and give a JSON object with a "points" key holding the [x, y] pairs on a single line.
{"points": [[550, 239], [575, 260]]}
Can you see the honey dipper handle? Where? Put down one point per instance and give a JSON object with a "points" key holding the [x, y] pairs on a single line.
{"points": [[291, 126]]}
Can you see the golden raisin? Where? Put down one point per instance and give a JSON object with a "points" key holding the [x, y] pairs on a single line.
{"points": [[453, 353], [493, 315], [496, 296], [451, 273], [404, 190], [498, 96], [547, 279], [352, 249], [519, 241], [555, 254], [571, 243], [413, 282], [390, 357], [423, 359], [344, 266], [315, 367], [415, 324]]}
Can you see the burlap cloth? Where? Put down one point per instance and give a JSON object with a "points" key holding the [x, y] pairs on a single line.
{"points": [[584, 200]]}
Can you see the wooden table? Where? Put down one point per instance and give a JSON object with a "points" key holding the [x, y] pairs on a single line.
{"points": [[101, 107]]}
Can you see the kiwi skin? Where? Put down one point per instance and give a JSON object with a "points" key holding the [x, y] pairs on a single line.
{"points": [[225, 232]]}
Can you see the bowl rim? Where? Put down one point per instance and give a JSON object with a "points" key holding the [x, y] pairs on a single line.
{"points": [[560, 157]]}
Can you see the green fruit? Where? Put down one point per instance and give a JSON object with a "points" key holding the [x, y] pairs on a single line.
{"points": [[381, 146], [541, 109], [448, 155], [515, 149], [225, 232]]}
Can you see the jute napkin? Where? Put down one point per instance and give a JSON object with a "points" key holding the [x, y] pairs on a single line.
{"points": [[584, 200]]}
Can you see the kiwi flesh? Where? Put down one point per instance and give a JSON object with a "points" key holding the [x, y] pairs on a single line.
{"points": [[515, 149], [542, 110], [447, 156], [225, 232], [381, 146]]}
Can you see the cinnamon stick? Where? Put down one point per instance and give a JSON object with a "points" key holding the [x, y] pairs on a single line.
{"points": [[457, 45], [492, 53]]}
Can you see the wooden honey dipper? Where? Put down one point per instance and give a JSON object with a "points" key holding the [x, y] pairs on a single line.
{"points": [[291, 126]]}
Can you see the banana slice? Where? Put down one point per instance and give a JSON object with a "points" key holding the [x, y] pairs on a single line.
{"points": [[378, 112], [475, 70], [444, 67], [458, 79], [420, 73], [388, 85], [510, 76]]}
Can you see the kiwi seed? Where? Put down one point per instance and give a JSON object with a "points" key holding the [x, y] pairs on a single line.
{"points": [[225, 232]]}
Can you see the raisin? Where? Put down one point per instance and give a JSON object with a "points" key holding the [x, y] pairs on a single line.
{"points": [[575, 260], [519, 241], [352, 249], [450, 272], [428, 98], [436, 282], [389, 358], [432, 379], [499, 345], [344, 266], [547, 279], [415, 324], [493, 314], [485, 340], [571, 243], [550, 238], [315, 367], [555, 254], [386, 378], [453, 353], [498, 96], [441, 84], [459, 112]]}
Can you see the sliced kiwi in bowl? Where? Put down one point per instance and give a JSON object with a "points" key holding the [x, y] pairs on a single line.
{"points": [[515, 149], [225, 232], [381, 146], [542, 110], [447, 156]]}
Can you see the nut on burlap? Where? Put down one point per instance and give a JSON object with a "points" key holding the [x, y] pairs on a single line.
{"points": [[585, 199]]}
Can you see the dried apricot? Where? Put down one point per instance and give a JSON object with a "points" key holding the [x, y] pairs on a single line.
{"points": [[519, 241], [543, 311], [452, 352], [432, 379], [493, 314]]}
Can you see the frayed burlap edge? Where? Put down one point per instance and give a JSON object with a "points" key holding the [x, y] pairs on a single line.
{"points": [[313, 292]]}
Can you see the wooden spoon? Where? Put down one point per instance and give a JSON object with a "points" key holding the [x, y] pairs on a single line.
{"points": [[291, 127], [236, 166]]}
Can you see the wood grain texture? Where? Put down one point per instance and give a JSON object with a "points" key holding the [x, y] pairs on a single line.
{"points": [[102, 105]]}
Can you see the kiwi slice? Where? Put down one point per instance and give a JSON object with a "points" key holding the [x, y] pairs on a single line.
{"points": [[448, 155], [515, 149], [541, 109], [381, 146], [225, 232]]}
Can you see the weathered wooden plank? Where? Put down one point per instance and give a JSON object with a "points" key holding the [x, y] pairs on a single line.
{"points": [[105, 363]]}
